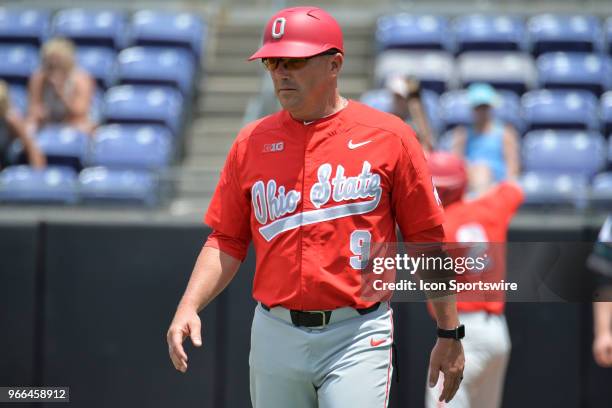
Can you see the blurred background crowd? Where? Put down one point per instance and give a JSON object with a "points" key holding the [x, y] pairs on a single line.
{"points": [[139, 106]]}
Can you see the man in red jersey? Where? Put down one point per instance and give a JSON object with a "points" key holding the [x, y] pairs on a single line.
{"points": [[312, 186], [483, 221]]}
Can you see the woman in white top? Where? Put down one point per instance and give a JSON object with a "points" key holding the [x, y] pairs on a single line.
{"points": [[60, 92]]}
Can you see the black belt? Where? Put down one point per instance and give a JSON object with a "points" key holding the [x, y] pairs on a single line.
{"points": [[319, 318]]}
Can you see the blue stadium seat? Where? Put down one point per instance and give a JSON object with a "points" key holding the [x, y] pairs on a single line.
{"points": [[19, 98], [156, 65], [559, 109], [131, 147], [420, 32], [24, 184], [382, 99], [555, 32], [564, 151], [100, 63], [63, 146], [18, 62], [91, 27], [24, 26], [164, 28], [606, 113], [115, 186], [96, 111], [572, 70], [511, 70], [601, 191], [144, 104], [553, 189], [435, 69], [479, 32], [455, 109]]}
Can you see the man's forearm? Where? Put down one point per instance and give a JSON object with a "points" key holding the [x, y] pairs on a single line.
{"points": [[212, 272], [417, 112], [602, 321], [446, 313]]}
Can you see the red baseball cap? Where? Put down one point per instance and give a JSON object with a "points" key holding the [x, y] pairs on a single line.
{"points": [[300, 32], [449, 176]]}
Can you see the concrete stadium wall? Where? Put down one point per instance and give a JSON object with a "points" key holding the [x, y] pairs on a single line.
{"points": [[88, 306]]}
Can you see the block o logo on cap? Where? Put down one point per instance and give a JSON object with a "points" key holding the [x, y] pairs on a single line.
{"points": [[278, 27]]}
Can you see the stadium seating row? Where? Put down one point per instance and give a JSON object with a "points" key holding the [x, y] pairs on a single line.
{"points": [[136, 104], [538, 109], [120, 146], [511, 70], [62, 185], [151, 64], [104, 27], [554, 189], [536, 34], [562, 152]]}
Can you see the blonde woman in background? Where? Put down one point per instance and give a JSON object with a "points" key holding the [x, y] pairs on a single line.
{"points": [[60, 92], [12, 126]]}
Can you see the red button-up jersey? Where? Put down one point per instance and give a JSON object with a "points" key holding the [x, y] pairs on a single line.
{"points": [[485, 220], [312, 197]]}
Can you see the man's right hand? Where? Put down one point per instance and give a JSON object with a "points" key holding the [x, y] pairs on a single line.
{"points": [[602, 349], [186, 323]]}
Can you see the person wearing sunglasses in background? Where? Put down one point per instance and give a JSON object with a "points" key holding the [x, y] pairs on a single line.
{"points": [[489, 146], [313, 186]]}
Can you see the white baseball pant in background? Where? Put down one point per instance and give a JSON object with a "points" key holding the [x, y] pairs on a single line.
{"points": [[487, 349]]}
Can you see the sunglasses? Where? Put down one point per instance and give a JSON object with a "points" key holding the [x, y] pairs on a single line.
{"points": [[292, 64]]}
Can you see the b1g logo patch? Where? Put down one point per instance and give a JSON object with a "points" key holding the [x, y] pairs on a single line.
{"points": [[274, 147]]}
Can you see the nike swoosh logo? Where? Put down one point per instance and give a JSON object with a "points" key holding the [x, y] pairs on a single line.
{"points": [[352, 145], [375, 343]]}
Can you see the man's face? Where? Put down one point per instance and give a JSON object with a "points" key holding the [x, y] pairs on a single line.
{"points": [[302, 88]]}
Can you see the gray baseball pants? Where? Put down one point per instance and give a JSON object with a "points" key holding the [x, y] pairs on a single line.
{"points": [[344, 364]]}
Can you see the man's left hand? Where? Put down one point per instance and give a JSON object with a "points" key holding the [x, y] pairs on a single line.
{"points": [[447, 357]]}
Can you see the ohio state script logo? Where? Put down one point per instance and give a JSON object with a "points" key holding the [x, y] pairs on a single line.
{"points": [[271, 204]]}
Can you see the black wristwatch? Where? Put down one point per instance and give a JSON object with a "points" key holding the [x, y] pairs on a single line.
{"points": [[456, 334]]}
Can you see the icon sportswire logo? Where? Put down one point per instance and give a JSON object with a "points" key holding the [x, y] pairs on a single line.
{"points": [[273, 203], [352, 145]]}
